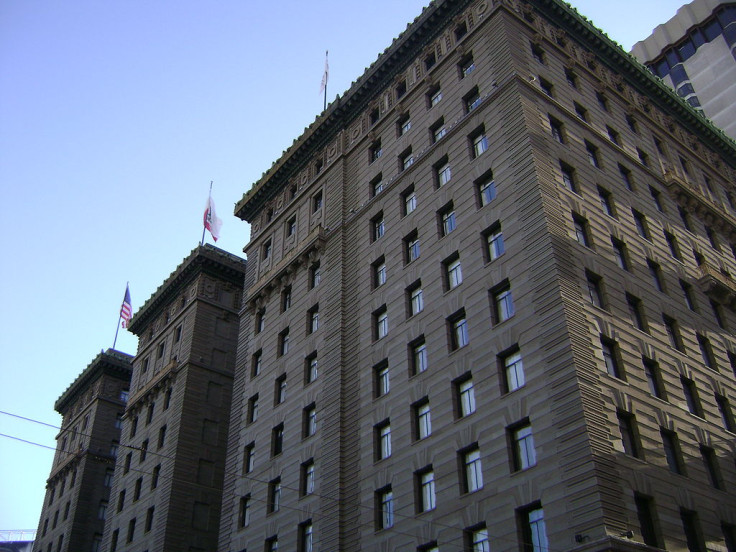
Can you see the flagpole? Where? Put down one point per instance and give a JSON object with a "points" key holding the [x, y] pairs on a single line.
{"points": [[204, 227], [326, 78]]}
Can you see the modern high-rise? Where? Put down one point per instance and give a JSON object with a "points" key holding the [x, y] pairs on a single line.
{"points": [[78, 487], [167, 489], [489, 305], [695, 53]]}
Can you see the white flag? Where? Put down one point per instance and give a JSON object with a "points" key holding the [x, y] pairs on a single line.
{"points": [[211, 220], [325, 76]]}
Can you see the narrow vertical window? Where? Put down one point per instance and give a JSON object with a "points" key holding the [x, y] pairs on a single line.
{"points": [[629, 434], [309, 420], [418, 355], [671, 449], [512, 371], [472, 469], [532, 528], [465, 395], [523, 454], [381, 379]]}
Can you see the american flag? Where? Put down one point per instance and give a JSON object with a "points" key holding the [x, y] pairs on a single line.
{"points": [[126, 311]]}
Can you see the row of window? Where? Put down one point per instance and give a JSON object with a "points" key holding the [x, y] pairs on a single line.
{"points": [[130, 535]]}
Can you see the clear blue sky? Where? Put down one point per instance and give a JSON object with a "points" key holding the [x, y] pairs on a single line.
{"points": [[114, 117]]}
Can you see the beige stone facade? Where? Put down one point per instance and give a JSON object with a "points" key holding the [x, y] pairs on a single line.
{"points": [[405, 382]]}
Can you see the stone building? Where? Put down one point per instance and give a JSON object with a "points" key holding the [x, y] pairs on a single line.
{"points": [[489, 305], [695, 53], [168, 485], [78, 487]]}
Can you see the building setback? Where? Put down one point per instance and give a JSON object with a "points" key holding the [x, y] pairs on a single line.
{"points": [[488, 305], [695, 53], [168, 486], [78, 487]]}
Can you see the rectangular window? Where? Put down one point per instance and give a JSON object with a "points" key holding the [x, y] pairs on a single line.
{"points": [[409, 200], [311, 368], [453, 272], [411, 247], [144, 450], [593, 155], [272, 543], [480, 143], [131, 530], [672, 328], [313, 319], [260, 320], [305, 536], [613, 135], [602, 101], [472, 479], [706, 352], [458, 329], [606, 200], [414, 299], [378, 227], [547, 87], [656, 274], [691, 396], [406, 160], [384, 508], [382, 434], [447, 220], [466, 65], [471, 100], [643, 157], [657, 198], [274, 495], [654, 378], [155, 475], [286, 299], [309, 421], [403, 125], [284, 342], [443, 173], [636, 311], [512, 370], [422, 419], [710, 462], [161, 436], [315, 275], [581, 112], [571, 78], [672, 453], [381, 379], [494, 242], [425, 490], [523, 454], [244, 511], [626, 177], [149, 519], [252, 411], [438, 130], [266, 249], [568, 177], [418, 355], [476, 538], [557, 129], [277, 440], [486, 187], [647, 522], [306, 478], [375, 151], [465, 396], [641, 224], [317, 202], [717, 314], [673, 246], [380, 323], [538, 54], [255, 363], [291, 226], [435, 96], [691, 528], [502, 302], [629, 434], [582, 231], [378, 268], [280, 389], [724, 408]]}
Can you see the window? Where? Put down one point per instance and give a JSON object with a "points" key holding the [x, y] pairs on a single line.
{"points": [[672, 329], [582, 233], [418, 355], [512, 370], [249, 458], [422, 419], [691, 527], [277, 440], [133, 426], [415, 301], [717, 314], [406, 160], [706, 352], [382, 434], [465, 396], [443, 173], [102, 509], [657, 198], [167, 398], [313, 319], [581, 112], [593, 155], [379, 272], [602, 101], [458, 328], [471, 100], [403, 125], [453, 272], [476, 538], [376, 185], [284, 342], [674, 247], [438, 130], [606, 202], [645, 515], [272, 543], [611, 358], [377, 226], [710, 462], [280, 389], [309, 423], [654, 378], [538, 54], [447, 220], [409, 200], [729, 536], [629, 433], [480, 143], [252, 412], [656, 273], [291, 226], [149, 413], [430, 61], [306, 479], [435, 95], [595, 289], [641, 224], [375, 151], [472, 476], [712, 238], [310, 368], [256, 363], [144, 450], [636, 310], [108, 477], [631, 122], [315, 275], [411, 247], [532, 528], [381, 379], [244, 511], [466, 66], [384, 508], [137, 489], [267, 249], [131, 530], [286, 299], [691, 396], [305, 536], [425, 490], [486, 187], [643, 157], [400, 89], [571, 77], [503, 303], [523, 454], [317, 202], [121, 500], [613, 135], [726, 414], [380, 323], [568, 177], [620, 253], [556, 128], [374, 115], [494, 241], [547, 87], [274, 495], [260, 320], [626, 177], [155, 475], [161, 436]]}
